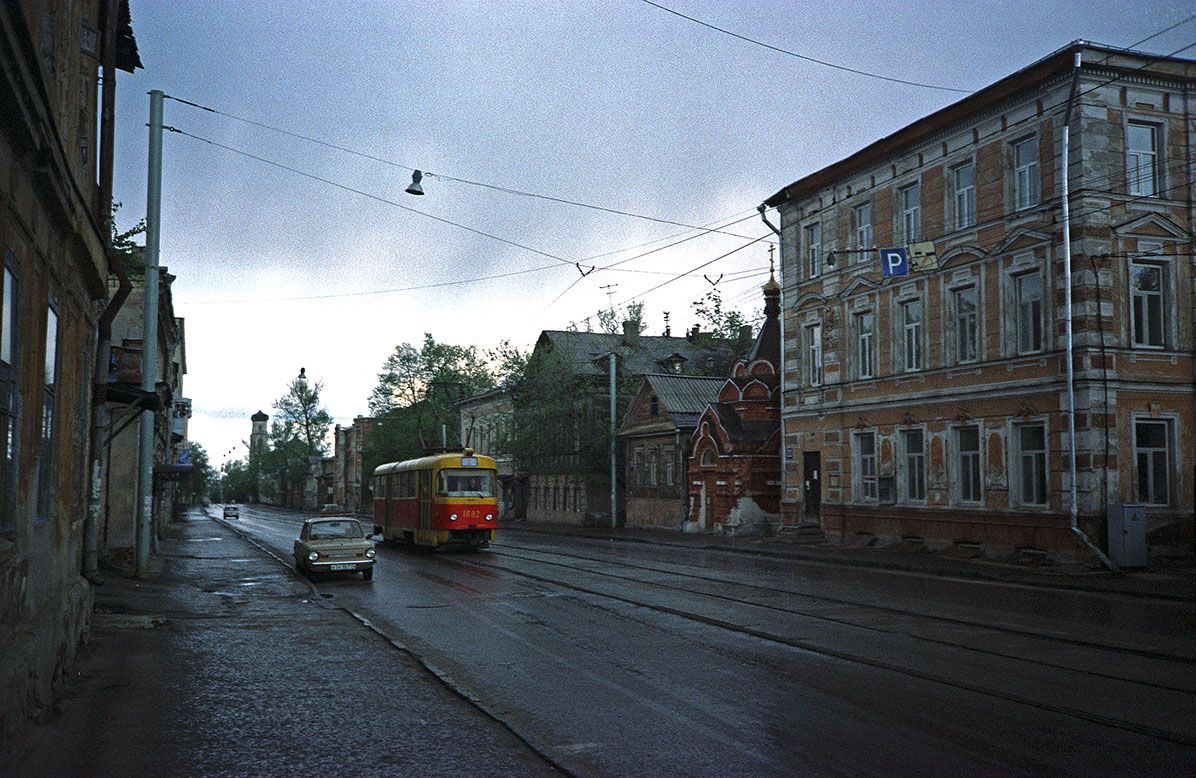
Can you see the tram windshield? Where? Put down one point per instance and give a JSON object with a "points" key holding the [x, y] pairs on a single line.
{"points": [[466, 483]]}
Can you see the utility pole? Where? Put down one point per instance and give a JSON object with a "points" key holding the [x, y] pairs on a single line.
{"points": [[613, 504], [149, 336]]}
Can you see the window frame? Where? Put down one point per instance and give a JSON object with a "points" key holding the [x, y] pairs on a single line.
{"points": [[1143, 260], [970, 465], [865, 340], [913, 357], [1037, 493], [813, 350], [812, 238], [866, 476], [959, 317], [1133, 158], [914, 482], [862, 229], [49, 414], [910, 215], [1161, 462], [1027, 173], [1036, 332], [10, 368], [963, 198]]}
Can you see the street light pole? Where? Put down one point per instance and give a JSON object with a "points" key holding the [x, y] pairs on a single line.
{"points": [[613, 503], [149, 334]]}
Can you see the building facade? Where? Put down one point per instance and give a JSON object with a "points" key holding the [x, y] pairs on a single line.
{"points": [[734, 455], [350, 490], [655, 438], [934, 405], [53, 288]]}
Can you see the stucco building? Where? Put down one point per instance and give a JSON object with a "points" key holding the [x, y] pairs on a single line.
{"points": [[934, 406], [55, 193]]}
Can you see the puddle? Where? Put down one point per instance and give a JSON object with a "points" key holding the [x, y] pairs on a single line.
{"points": [[202, 540]]}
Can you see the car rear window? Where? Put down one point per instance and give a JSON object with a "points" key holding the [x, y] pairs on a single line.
{"points": [[331, 530]]}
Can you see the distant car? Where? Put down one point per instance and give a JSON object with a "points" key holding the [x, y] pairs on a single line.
{"points": [[334, 545], [232, 512]]}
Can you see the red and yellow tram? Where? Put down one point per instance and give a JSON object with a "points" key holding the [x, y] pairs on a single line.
{"points": [[437, 500]]}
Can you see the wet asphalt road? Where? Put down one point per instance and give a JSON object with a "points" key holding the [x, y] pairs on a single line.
{"points": [[630, 659]]}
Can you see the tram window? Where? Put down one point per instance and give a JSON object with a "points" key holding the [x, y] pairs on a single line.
{"points": [[466, 483]]}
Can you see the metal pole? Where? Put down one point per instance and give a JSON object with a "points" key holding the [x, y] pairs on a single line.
{"points": [[1071, 388], [613, 504], [149, 337]]}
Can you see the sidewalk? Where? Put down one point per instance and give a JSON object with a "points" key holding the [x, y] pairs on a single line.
{"points": [[223, 662], [1170, 579]]}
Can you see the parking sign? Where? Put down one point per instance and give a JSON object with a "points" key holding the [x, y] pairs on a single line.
{"points": [[894, 262]]}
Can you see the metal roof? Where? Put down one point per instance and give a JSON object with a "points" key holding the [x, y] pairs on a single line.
{"points": [[586, 352]]}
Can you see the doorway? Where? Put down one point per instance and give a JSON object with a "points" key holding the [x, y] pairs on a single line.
{"points": [[812, 487]]}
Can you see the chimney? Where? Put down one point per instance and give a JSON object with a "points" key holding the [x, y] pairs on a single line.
{"points": [[631, 332]]}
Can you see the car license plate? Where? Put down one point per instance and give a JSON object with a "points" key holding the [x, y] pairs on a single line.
{"points": [[340, 567]]}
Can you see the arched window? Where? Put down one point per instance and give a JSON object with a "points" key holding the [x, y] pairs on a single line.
{"points": [[709, 458]]}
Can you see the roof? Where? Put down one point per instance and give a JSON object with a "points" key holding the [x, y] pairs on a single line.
{"points": [[684, 397], [740, 431], [1053, 65], [586, 352]]}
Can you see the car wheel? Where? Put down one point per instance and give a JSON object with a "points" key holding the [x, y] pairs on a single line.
{"points": [[368, 574]]}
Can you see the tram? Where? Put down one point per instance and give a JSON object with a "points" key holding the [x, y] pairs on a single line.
{"points": [[437, 500]]}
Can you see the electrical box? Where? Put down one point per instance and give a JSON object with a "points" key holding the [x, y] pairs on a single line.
{"points": [[1127, 535]]}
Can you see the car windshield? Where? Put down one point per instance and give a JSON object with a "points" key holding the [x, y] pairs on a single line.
{"points": [[466, 483], [332, 530]]}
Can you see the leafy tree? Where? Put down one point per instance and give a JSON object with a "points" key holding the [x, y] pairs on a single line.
{"points": [[415, 398], [300, 416], [125, 246], [236, 482], [508, 363], [611, 320], [202, 477]]}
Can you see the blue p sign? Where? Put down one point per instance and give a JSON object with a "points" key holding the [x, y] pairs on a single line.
{"points": [[894, 262]]}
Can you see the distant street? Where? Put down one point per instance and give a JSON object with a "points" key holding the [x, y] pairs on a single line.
{"points": [[627, 659]]}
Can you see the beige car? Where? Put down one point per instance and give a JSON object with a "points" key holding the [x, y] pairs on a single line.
{"points": [[332, 545]]}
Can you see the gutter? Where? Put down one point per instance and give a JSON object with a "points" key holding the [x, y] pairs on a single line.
{"points": [[99, 413]]}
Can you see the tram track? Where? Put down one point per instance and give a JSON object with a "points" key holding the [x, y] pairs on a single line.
{"points": [[873, 660], [822, 598]]}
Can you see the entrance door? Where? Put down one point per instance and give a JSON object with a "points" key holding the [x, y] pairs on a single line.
{"points": [[812, 487], [709, 490]]}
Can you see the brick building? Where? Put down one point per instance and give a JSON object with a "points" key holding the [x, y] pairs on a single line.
{"points": [[350, 492], [934, 405], [655, 437], [734, 457]]}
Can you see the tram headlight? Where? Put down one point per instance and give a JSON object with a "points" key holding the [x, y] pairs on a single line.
{"points": [[312, 556], [453, 517], [369, 552], [489, 517]]}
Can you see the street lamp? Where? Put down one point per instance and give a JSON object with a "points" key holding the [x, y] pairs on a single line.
{"points": [[415, 188]]}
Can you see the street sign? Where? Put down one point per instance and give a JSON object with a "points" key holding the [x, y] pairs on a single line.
{"points": [[922, 256], [894, 262]]}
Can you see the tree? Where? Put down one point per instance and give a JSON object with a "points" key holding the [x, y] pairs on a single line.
{"points": [[720, 327], [124, 245], [300, 416], [414, 401], [202, 475]]}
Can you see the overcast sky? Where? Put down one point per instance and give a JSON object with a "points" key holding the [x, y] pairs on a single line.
{"points": [[291, 253]]}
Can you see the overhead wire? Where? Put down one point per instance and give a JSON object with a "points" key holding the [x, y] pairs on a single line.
{"points": [[805, 57]]}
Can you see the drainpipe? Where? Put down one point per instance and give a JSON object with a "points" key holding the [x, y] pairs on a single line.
{"points": [[1071, 393], [99, 411], [781, 367]]}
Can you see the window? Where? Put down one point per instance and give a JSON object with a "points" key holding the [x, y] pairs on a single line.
{"points": [[1153, 454], [865, 353], [911, 323], [866, 463], [967, 440], [465, 482], [45, 457], [1025, 173], [633, 467], [915, 465], [653, 466], [1146, 304], [813, 248], [814, 354], [1032, 474], [1028, 304], [8, 397], [1142, 159], [861, 227], [670, 467], [967, 329], [911, 212], [963, 178]]}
